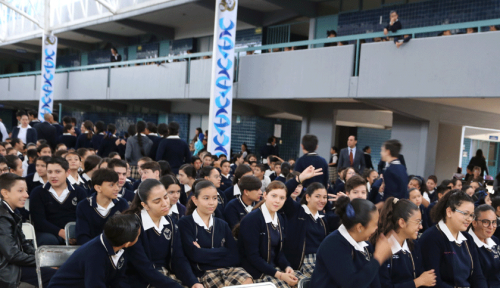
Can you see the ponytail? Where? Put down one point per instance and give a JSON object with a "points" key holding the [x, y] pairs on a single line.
{"points": [[89, 126], [110, 131], [142, 195], [198, 185], [452, 199], [354, 212], [140, 127]]}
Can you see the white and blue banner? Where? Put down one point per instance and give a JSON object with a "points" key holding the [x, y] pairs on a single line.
{"points": [[221, 93], [49, 53]]}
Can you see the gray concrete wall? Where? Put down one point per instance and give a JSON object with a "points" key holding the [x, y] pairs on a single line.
{"points": [[448, 151]]}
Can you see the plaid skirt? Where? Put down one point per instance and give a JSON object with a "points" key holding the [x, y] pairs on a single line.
{"points": [[223, 277], [332, 174], [134, 172], [167, 273], [308, 265], [279, 283]]}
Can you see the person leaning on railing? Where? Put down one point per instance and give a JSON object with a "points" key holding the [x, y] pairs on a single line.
{"points": [[393, 27]]}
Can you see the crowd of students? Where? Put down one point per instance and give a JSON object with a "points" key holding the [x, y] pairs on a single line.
{"points": [[204, 221]]}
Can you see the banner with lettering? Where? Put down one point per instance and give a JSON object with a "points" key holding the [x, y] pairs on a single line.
{"points": [[221, 93], [49, 53]]}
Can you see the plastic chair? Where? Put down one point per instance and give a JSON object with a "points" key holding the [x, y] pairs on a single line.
{"points": [[70, 231], [304, 283], [51, 256], [29, 233], [255, 285]]}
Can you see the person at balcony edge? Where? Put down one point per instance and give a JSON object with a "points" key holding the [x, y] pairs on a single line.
{"points": [[234, 191], [405, 267], [331, 34], [138, 146], [311, 158], [345, 258], [393, 26], [24, 131], [482, 232], [93, 212], [53, 205], [85, 139], [395, 176], [17, 255], [173, 149], [208, 242], [101, 262], [446, 249], [115, 57]]}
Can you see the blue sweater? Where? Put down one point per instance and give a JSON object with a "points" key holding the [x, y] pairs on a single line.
{"points": [[490, 263], [89, 222], [91, 266], [68, 140], [402, 268], [225, 183], [228, 194], [83, 141], [156, 142], [218, 248], [316, 161], [396, 181], [254, 242], [127, 194], [182, 212], [32, 185], [338, 264], [175, 152], [234, 212], [454, 265], [48, 214], [141, 257]]}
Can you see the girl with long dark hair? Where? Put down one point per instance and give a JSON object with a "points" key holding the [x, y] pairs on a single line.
{"points": [[85, 139], [177, 210]]}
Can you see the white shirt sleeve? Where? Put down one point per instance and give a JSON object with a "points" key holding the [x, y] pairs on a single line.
{"points": [[5, 135], [426, 197]]}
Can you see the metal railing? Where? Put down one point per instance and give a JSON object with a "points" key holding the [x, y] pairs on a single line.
{"points": [[269, 48]]}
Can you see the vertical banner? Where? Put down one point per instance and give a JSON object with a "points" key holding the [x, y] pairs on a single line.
{"points": [[49, 53], [221, 91]]}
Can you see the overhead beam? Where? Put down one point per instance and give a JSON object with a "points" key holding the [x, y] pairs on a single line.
{"points": [[161, 30], [84, 46], [246, 15], [304, 8], [28, 46], [120, 40], [20, 12], [107, 6], [21, 56]]}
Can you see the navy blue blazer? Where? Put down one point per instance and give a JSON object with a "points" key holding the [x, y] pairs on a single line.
{"points": [[68, 140], [107, 146], [31, 135], [48, 132]]}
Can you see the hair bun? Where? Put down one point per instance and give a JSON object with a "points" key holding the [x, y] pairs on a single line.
{"points": [[349, 211]]}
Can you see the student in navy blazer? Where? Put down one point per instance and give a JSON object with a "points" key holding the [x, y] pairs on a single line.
{"points": [[67, 136], [488, 246], [158, 258], [309, 145], [39, 178], [358, 162], [405, 268], [234, 191], [85, 139], [108, 143], [238, 208], [120, 167], [395, 176], [208, 242], [30, 135], [177, 210], [449, 251], [99, 130], [345, 258], [211, 174]]}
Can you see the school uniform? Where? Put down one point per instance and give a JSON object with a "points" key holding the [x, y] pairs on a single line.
{"points": [[273, 176], [79, 182], [489, 258], [265, 182], [31, 168], [177, 211], [91, 217], [83, 141], [32, 181], [455, 261], [216, 262], [108, 145], [175, 151], [27, 135], [425, 217], [232, 168], [158, 256], [427, 214], [339, 186], [94, 264], [343, 262], [497, 232], [317, 161], [87, 183], [403, 267], [281, 178], [126, 194], [68, 140], [136, 184], [156, 142], [128, 184], [97, 140], [396, 180], [50, 212], [232, 193], [374, 194], [225, 182], [59, 128], [235, 210], [185, 191]]}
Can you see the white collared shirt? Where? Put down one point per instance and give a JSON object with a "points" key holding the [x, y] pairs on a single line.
{"points": [[225, 176], [86, 177], [63, 196], [75, 182], [104, 211], [236, 190], [396, 247], [315, 216], [153, 134], [23, 133], [37, 178], [489, 242], [267, 215], [118, 254], [265, 182], [67, 134], [248, 208], [174, 137], [187, 188], [147, 222], [197, 219], [360, 246], [173, 209], [446, 231]]}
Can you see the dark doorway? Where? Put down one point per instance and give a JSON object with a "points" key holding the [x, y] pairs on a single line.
{"points": [[342, 134]]}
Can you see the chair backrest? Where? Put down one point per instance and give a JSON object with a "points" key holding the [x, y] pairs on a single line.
{"points": [[304, 283], [255, 285], [52, 256], [70, 231], [27, 205], [29, 233]]}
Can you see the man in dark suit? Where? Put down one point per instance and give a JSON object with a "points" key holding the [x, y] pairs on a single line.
{"points": [[368, 157], [352, 157], [47, 131]]}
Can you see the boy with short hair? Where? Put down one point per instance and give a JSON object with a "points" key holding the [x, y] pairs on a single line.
{"points": [[120, 167], [355, 188], [243, 204], [207, 160], [277, 170], [395, 176], [309, 146], [259, 172], [93, 212], [225, 168], [431, 187], [139, 170], [53, 205], [196, 161], [150, 170], [101, 261], [17, 256]]}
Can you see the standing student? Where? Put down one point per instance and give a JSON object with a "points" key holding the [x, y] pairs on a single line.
{"points": [[345, 258], [53, 205], [138, 146], [233, 191], [332, 165], [208, 242], [367, 151], [109, 142], [99, 130], [211, 174], [405, 267], [309, 145], [187, 176], [68, 138], [448, 251], [151, 131], [158, 255], [225, 168], [25, 132], [38, 178], [488, 246], [93, 212], [120, 167], [101, 261], [177, 210], [173, 149], [75, 164], [395, 176], [85, 139], [238, 208]]}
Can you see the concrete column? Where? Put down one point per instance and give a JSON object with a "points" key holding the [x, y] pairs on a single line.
{"points": [[448, 150]]}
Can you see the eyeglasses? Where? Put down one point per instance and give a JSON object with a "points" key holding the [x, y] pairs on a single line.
{"points": [[419, 222], [466, 215], [486, 223], [5, 170]]}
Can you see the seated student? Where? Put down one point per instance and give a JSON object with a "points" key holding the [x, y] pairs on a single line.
{"points": [[238, 208], [89, 167], [150, 170], [259, 172], [53, 205], [38, 178], [285, 170], [237, 161], [405, 267], [187, 176], [233, 191], [395, 176], [67, 138], [482, 231], [177, 210], [141, 161], [208, 242], [75, 164], [31, 155], [207, 160], [83, 153], [93, 212], [120, 167], [345, 258], [418, 183], [298, 191], [448, 251], [416, 198], [196, 162], [440, 192], [225, 182], [271, 160], [309, 145], [495, 203], [277, 171], [101, 261], [17, 256], [109, 142], [212, 174], [15, 164], [158, 256], [469, 190]]}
